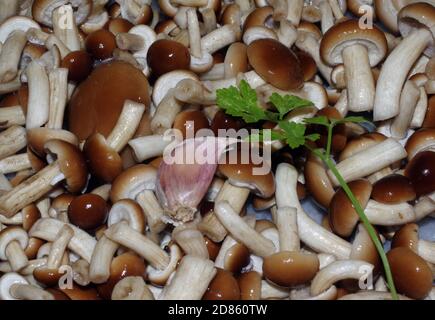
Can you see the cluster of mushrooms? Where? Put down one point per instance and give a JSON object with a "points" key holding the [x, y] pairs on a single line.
{"points": [[88, 89]]}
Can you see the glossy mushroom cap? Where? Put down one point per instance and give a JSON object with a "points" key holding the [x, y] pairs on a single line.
{"points": [[236, 258], [49, 277], [429, 119], [421, 171], [242, 174], [309, 66], [420, 140], [37, 137], [406, 237], [124, 265], [104, 162], [412, 275], [347, 33], [225, 122], [79, 65], [250, 285], [342, 215], [30, 215], [236, 59], [393, 189], [100, 44], [98, 101], [290, 269], [213, 248], [71, 163], [223, 287], [167, 55], [258, 17], [317, 181], [190, 122], [88, 211], [276, 64], [80, 293], [415, 16], [119, 25]]}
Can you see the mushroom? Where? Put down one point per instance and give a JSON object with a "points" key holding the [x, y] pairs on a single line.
{"points": [[42, 10], [167, 55], [39, 95], [224, 286], [190, 281], [15, 287], [87, 211], [359, 50], [415, 22], [132, 288], [68, 166], [65, 26], [191, 241], [13, 242], [12, 140], [10, 55]]}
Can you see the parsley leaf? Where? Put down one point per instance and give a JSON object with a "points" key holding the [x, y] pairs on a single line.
{"points": [[241, 102], [294, 133], [287, 103]]}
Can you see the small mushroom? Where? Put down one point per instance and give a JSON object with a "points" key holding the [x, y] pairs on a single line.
{"points": [[13, 242], [15, 287]]}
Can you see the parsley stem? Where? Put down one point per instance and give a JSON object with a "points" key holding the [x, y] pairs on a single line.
{"points": [[329, 145], [370, 229]]}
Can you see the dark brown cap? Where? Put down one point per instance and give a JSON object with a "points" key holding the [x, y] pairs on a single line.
{"points": [[119, 25], [223, 287], [317, 181], [407, 237], [421, 171], [100, 44], [250, 285], [258, 17], [190, 121], [79, 65], [420, 140], [393, 189], [37, 137], [167, 55], [88, 211]]}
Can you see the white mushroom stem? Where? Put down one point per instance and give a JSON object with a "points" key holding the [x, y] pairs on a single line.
{"points": [[43, 206], [191, 241], [327, 16], [258, 32], [242, 232], [99, 269], [48, 229], [309, 44], [340, 270], [10, 116], [53, 41], [342, 105], [426, 250], [165, 114], [310, 233], [420, 110], [389, 214], [193, 92], [194, 33], [425, 206], [134, 240], [217, 72], [369, 161], [304, 294], [8, 9], [408, 102], [294, 11], [81, 272], [209, 19], [286, 222], [132, 288], [212, 227], [148, 147], [394, 72], [359, 78], [190, 281], [37, 36], [235, 196], [30, 190], [16, 256], [103, 191], [220, 38], [11, 86], [126, 125], [10, 55], [65, 27], [253, 79], [130, 41], [371, 295], [12, 140], [287, 33], [15, 163], [58, 79], [59, 246], [335, 7], [29, 292], [152, 210], [39, 96], [271, 291]]}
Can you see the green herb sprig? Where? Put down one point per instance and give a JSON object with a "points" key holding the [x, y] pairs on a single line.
{"points": [[243, 102]]}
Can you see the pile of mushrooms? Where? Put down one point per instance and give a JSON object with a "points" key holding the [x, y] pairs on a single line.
{"points": [[90, 208]]}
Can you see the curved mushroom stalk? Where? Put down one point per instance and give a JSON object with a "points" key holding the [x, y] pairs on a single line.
{"points": [[394, 72], [58, 81], [15, 287], [408, 103], [191, 241], [58, 247], [193, 92], [190, 281], [369, 160], [48, 229], [310, 233], [304, 294], [132, 288], [13, 241], [220, 38], [340, 270], [124, 235], [10, 55], [389, 215], [39, 95], [12, 140], [99, 269]]}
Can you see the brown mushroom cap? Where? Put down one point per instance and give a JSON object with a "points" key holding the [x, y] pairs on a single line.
{"points": [[42, 10], [223, 287], [236, 59], [104, 162], [32, 248], [62, 202], [342, 215], [71, 163], [100, 44], [309, 66], [98, 101], [79, 65], [407, 237], [290, 269], [119, 25], [236, 258], [30, 215], [310, 28], [429, 119], [275, 63], [225, 122], [415, 16], [263, 203], [242, 174], [88, 211], [393, 189], [167, 55], [190, 121], [37, 137], [420, 140], [421, 171], [57, 294], [124, 265], [213, 248], [317, 181], [250, 285], [258, 17], [49, 277], [80, 293], [348, 33], [412, 275]]}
